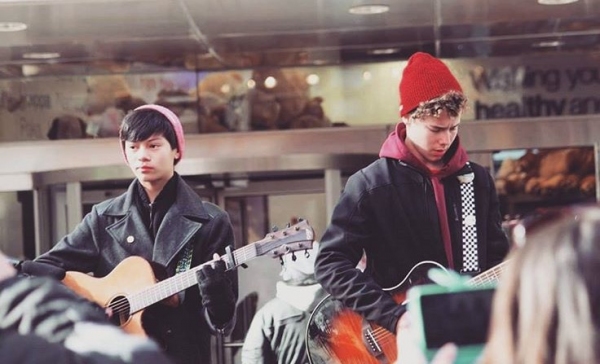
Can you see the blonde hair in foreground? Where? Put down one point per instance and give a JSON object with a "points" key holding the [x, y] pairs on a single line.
{"points": [[547, 304]]}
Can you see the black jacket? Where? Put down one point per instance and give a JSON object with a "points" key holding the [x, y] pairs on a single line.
{"points": [[115, 230], [388, 209]]}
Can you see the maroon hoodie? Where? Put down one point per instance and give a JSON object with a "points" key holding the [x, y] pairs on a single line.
{"points": [[454, 159]]}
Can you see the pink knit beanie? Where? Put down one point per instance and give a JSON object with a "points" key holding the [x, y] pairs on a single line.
{"points": [[175, 122], [424, 78]]}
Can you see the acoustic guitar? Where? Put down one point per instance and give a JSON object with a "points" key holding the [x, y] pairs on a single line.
{"points": [[337, 334], [132, 285]]}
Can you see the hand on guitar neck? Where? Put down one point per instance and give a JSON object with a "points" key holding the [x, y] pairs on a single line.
{"points": [[218, 296]]}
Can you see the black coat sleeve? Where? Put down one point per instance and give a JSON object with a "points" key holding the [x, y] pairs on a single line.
{"points": [[340, 250], [219, 236]]}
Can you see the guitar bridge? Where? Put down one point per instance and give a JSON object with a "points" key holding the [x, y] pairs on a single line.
{"points": [[371, 342]]}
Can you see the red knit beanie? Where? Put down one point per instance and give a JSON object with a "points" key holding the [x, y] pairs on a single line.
{"points": [[424, 78], [175, 122]]}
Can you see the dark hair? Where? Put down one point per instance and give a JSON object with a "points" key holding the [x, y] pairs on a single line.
{"points": [[141, 124], [453, 102]]}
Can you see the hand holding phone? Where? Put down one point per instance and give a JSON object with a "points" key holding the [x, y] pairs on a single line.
{"points": [[458, 314], [409, 351]]}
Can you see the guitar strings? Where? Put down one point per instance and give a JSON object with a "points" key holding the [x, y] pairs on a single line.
{"points": [[384, 337], [242, 254], [381, 333], [489, 276], [124, 304]]}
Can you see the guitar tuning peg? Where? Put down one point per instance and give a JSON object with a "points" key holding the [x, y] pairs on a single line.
{"points": [[300, 219], [274, 228], [288, 225], [306, 254], [293, 257], [281, 260]]}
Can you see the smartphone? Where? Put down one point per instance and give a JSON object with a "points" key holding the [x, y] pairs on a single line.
{"points": [[460, 315]]}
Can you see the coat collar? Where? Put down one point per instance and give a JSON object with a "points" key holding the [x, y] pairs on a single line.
{"points": [[182, 221]]}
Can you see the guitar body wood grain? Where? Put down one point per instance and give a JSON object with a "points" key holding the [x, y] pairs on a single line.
{"points": [[337, 334], [340, 335], [130, 276]]}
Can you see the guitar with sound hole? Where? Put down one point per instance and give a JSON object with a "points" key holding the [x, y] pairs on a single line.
{"points": [[132, 285], [337, 334]]}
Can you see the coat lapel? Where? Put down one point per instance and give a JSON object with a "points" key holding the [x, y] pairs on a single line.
{"points": [[129, 230], [180, 225]]}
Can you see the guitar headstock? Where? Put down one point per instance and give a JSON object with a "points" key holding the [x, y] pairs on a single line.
{"points": [[299, 236]]}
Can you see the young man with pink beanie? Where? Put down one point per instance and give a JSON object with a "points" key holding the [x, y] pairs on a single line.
{"points": [[422, 200], [162, 219]]}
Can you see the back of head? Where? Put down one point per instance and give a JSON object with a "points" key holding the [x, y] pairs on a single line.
{"points": [[148, 120], [299, 267], [547, 307], [426, 78]]}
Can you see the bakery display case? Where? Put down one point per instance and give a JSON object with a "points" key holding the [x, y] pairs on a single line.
{"points": [[537, 178]]}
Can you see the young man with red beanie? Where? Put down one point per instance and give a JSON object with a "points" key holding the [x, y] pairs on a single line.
{"points": [[162, 219], [420, 201]]}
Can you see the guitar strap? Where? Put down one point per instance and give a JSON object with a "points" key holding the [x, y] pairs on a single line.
{"points": [[184, 264], [185, 260], [469, 223]]}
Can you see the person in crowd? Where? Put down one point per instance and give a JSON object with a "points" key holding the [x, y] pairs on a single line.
{"points": [[278, 330], [547, 304], [44, 322], [163, 220], [422, 200]]}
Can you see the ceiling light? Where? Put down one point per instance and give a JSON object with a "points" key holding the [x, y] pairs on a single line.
{"points": [[369, 9], [270, 82], [30, 70], [312, 79], [7, 26], [382, 51], [556, 2], [41, 55], [548, 44]]}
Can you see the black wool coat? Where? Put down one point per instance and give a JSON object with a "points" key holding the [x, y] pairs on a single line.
{"points": [[388, 209], [114, 230]]}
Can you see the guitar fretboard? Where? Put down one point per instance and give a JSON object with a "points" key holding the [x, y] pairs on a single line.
{"points": [[488, 277], [184, 280]]}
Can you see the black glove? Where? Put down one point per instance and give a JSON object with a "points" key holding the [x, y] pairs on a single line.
{"points": [[217, 292], [31, 268]]}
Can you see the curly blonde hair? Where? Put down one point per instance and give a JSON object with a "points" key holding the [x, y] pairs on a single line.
{"points": [[453, 102]]}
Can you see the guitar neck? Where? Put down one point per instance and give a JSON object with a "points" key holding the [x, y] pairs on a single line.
{"points": [[274, 244], [488, 277], [181, 281]]}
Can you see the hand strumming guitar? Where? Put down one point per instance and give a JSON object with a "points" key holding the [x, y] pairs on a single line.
{"points": [[216, 291]]}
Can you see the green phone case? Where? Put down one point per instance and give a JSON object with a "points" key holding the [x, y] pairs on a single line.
{"points": [[467, 354]]}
